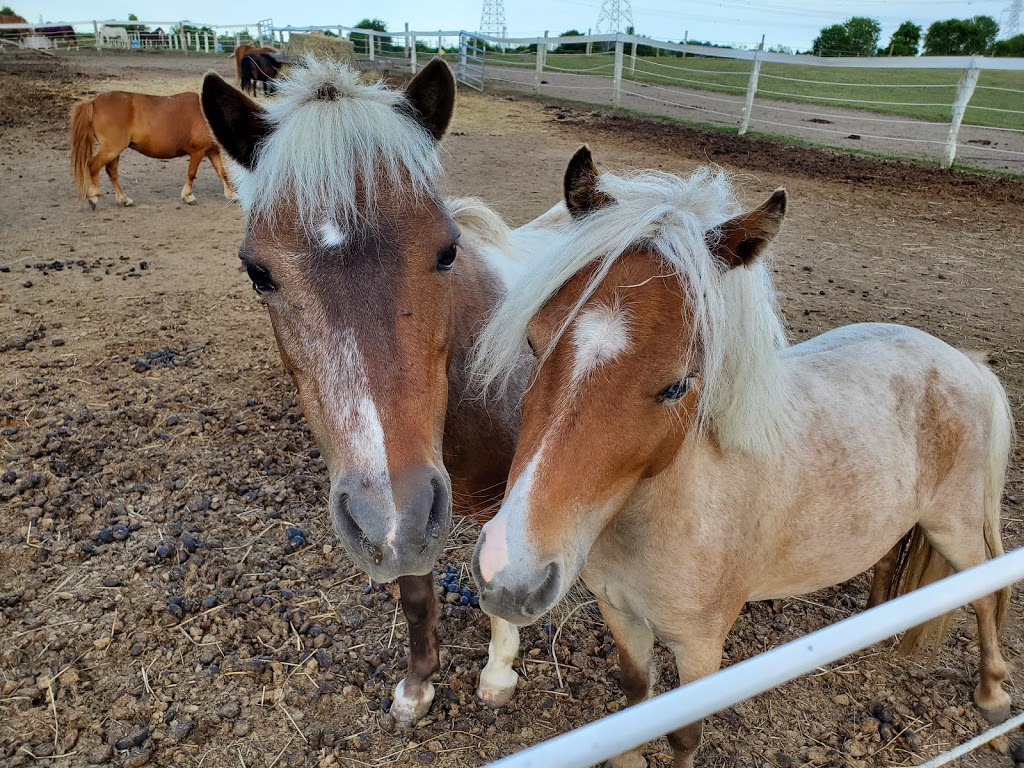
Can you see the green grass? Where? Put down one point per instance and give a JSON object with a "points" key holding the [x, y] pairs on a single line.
{"points": [[730, 76]]}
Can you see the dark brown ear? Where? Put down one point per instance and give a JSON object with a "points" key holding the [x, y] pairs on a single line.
{"points": [[431, 95], [238, 123], [739, 241], [581, 193]]}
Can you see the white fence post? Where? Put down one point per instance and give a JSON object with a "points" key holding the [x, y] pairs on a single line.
{"points": [[183, 43], [590, 43], [617, 72], [748, 105], [412, 56], [964, 91], [206, 42], [539, 70], [407, 39], [632, 59], [96, 31], [462, 54], [686, 39], [371, 43]]}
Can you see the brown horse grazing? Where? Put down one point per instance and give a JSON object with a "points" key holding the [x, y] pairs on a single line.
{"points": [[246, 48], [155, 126], [376, 288], [676, 452]]}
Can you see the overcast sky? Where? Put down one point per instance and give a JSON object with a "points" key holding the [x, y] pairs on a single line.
{"points": [[783, 22]]}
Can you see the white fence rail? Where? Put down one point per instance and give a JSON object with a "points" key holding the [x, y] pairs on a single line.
{"points": [[610, 71], [641, 723]]}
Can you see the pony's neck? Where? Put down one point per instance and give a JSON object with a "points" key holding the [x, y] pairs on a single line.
{"points": [[480, 433]]}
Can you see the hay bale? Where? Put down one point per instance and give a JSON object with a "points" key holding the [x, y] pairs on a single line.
{"points": [[322, 46]]}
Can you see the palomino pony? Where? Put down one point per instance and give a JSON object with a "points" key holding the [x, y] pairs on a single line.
{"points": [[681, 457], [375, 300], [155, 126]]}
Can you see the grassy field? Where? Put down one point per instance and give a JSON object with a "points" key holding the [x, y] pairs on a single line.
{"points": [[914, 90]]}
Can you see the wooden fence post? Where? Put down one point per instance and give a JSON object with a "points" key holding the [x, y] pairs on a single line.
{"points": [[617, 72], [590, 43], [182, 34], [412, 56], [407, 39], [96, 31], [964, 91], [748, 104]]}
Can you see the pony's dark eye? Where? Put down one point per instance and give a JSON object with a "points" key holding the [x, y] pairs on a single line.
{"points": [[260, 276], [677, 390], [529, 343], [446, 258]]}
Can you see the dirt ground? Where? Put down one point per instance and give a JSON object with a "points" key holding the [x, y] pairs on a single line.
{"points": [[154, 609]]}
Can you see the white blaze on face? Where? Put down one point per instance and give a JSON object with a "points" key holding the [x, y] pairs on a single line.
{"points": [[331, 235], [600, 335], [506, 532], [355, 416]]}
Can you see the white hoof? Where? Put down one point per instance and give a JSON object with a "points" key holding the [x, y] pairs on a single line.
{"points": [[93, 201], [127, 202], [407, 711], [189, 199], [497, 685]]}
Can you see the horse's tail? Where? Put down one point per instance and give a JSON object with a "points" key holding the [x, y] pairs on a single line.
{"points": [[82, 138], [920, 564]]}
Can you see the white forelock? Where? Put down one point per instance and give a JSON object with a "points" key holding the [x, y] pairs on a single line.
{"points": [[333, 141]]}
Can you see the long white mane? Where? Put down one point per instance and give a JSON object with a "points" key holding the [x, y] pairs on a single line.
{"points": [[736, 322], [333, 141]]}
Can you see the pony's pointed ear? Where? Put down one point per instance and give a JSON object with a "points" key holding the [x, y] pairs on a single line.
{"points": [[739, 241], [431, 94], [581, 193], [238, 123]]}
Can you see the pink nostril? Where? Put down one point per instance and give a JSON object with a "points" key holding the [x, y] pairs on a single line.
{"points": [[493, 553]]}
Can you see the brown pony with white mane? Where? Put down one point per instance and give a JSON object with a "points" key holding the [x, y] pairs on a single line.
{"points": [[685, 460], [376, 287], [155, 126]]}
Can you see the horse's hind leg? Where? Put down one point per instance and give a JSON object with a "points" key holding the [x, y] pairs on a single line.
{"points": [[414, 694], [103, 157], [115, 181], [635, 643], [881, 575], [963, 546], [193, 167], [218, 166]]}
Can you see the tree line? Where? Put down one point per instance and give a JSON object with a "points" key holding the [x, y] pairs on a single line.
{"points": [[861, 36]]}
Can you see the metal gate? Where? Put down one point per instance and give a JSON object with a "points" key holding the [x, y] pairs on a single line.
{"points": [[265, 31], [471, 62]]}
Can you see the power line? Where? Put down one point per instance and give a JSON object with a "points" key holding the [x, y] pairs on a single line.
{"points": [[1013, 14]]}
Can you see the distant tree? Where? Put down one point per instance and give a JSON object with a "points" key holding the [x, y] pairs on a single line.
{"points": [[905, 41], [961, 37], [857, 36], [359, 41], [7, 11], [135, 27], [572, 47], [1011, 46], [780, 49]]}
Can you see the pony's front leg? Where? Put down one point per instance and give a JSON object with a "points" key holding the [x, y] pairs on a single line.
{"points": [[415, 693], [498, 680], [696, 656], [635, 643], [193, 169]]}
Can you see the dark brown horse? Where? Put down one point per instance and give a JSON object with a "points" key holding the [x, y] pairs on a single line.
{"points": [[155, 126], [259, 68], [244, 49]]}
